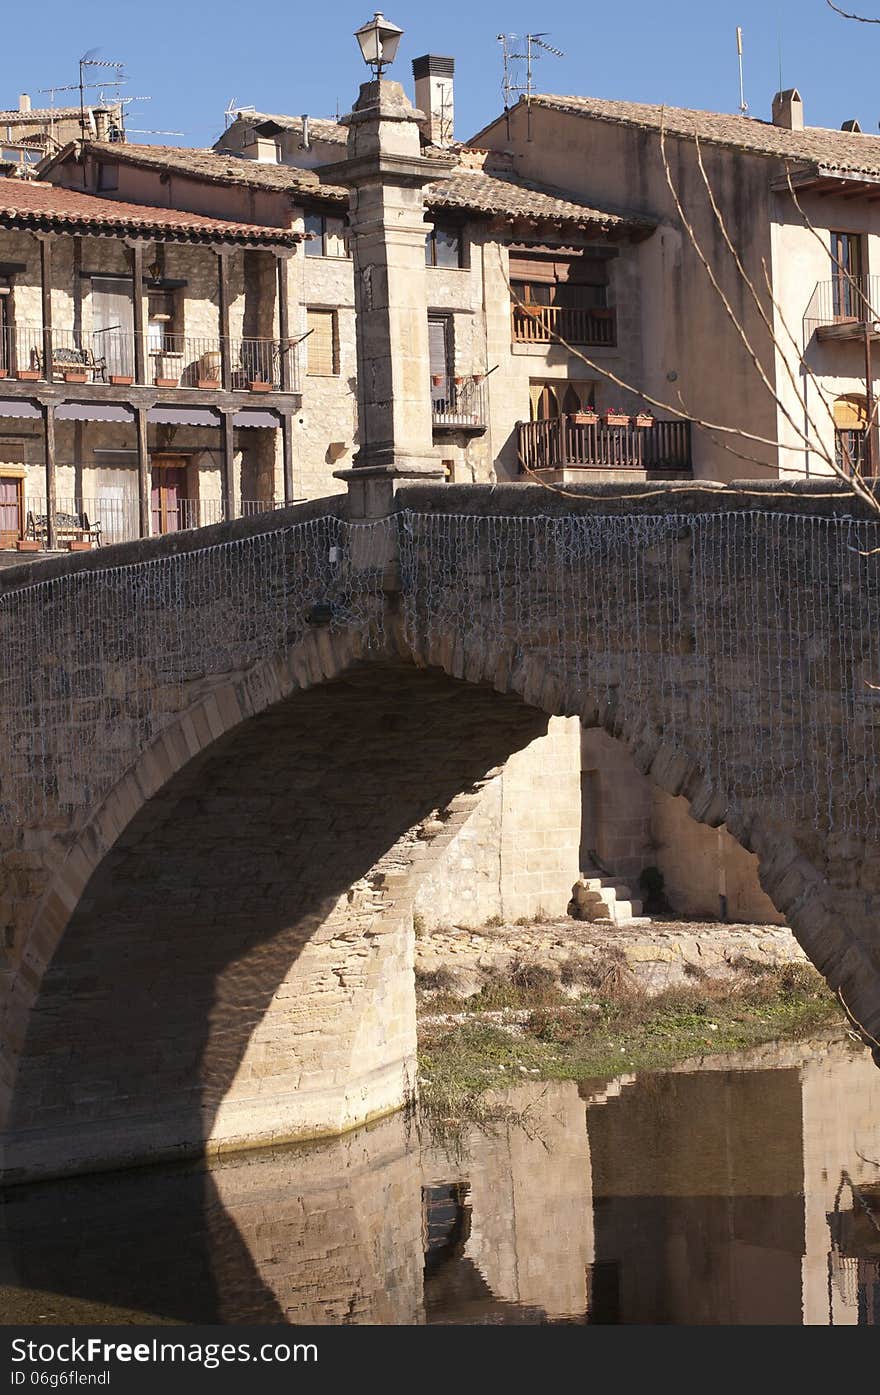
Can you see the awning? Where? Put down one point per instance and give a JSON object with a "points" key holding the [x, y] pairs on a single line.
{"points": [[19, 407], [183, 416], [248, 417], [93, 411]]}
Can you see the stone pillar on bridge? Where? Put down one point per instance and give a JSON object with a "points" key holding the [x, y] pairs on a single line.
{"points": [[386, 173]]}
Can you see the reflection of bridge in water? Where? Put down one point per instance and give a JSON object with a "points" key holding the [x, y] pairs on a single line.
{"points": [[233, 757], [737, 1193]]}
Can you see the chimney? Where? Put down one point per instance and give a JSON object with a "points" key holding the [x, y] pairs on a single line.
{"points": [[24, 102], [102, 123], [434, 97], [788, 110], [853, 126]]}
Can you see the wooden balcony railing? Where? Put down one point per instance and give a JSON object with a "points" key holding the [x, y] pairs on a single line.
{"points": [[561, 442], [542, 324]]}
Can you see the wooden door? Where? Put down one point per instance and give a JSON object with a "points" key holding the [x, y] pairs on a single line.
{"points": [[10, 511], [168, 494]]}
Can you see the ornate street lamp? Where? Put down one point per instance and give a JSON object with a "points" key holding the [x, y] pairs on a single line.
{"points": [[378, 42]]}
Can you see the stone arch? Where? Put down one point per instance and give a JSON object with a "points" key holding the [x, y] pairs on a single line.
{"points": [[351, 942], [498, 698]]}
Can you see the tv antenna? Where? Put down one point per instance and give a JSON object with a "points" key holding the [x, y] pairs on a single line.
{"points": [[743, 104], [234, 109], [509, 45]]}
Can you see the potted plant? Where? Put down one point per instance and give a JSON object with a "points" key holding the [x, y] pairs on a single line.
{"points": [[75, 375], [615, 418], [211, 383], [4, 372], [29, 375], [588, 417], [436, 379], [643, 419], [259, 385], [122, 379], [165, 382], [28, 545]]}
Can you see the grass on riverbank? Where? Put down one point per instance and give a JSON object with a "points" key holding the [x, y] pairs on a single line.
{"points": [[526, 1026]]}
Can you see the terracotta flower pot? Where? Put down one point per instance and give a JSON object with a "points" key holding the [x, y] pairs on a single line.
{"points": [[76, 377], [4, 372], [585, 418], [165, 382], [29, 375], [616, 419], [258, 385], [643, 419], [79, 545], [121, 379], [27, 545], [210, 383]]}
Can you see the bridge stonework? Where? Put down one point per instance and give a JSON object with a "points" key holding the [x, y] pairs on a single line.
{"points": [[232, 759]]}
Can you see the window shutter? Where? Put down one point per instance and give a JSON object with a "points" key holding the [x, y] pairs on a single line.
{"points": [[437, 346], [322, 343]]}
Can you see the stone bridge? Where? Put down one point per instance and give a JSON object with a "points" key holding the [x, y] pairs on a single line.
{"points": [[230, 758]]}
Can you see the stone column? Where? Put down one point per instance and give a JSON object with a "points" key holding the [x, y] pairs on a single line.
{"points": [[386, 174]]}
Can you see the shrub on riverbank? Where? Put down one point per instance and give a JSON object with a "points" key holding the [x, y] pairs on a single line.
{"points": [[519, 1026]]}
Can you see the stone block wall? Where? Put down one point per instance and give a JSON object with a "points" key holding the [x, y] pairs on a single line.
{"points": [[517, 855]]}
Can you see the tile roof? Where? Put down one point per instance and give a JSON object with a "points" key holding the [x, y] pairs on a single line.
{"points": [[38, 203], [494, 194], [218, 168], [320, 127], [43, 114], [507, 195], [842, 151]]}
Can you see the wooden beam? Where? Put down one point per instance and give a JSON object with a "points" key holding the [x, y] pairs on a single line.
{"points": [[144, 501], [46, 298], [49, 457], [223, 297], [287, 456], [228, 479]]}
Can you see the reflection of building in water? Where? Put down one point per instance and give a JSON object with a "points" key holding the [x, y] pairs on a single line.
{"points": [[854, 1261], [324, 1233], [841, 1109], [524, 1236]]}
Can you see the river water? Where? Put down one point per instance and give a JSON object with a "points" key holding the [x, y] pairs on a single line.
{"points": [[737, 1190]]}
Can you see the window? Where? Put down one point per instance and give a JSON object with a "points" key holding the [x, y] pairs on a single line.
{"points": [[161, 320], [328, 237], [850, 436], [322, 343], [108, 176], [440, 358], [113, 323], [443, 246], [847, 271]]}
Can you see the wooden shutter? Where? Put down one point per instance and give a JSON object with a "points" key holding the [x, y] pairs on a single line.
{"points": [[438, 345], [321, 342]]}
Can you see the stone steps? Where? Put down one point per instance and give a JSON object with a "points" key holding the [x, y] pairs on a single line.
{"points": [[606, 898]]}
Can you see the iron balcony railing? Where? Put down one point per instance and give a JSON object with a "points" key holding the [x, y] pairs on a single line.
{"points": [[843, 301], [458, 403], [544, 324], [170, 360], [106, 519], [563, 442]]}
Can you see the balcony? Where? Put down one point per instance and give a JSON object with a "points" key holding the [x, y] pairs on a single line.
{"points": [[458, 403], [841, 308], [563, 443], [108, 357], [99, 522], [546, 324]]}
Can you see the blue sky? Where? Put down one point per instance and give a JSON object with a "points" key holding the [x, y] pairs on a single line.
{"points": [[192, 58]]}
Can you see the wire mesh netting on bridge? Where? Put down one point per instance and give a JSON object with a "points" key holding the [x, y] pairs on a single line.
{"points": [[748, 641]]}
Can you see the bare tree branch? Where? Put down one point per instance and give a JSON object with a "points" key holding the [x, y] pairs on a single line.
{"points": [[860, 19]]}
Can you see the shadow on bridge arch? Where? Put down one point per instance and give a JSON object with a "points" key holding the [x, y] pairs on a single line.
{"points": [[225, 958]]}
